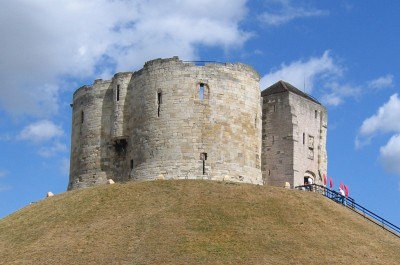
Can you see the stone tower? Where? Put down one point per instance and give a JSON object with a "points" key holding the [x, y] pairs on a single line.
{"points": [[294, 128], [169, 120]]}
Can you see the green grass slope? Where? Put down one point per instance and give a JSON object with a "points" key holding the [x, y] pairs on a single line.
{"points": [[192, 222]]}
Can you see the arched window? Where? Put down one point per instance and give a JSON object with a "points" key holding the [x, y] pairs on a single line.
{"points": [[203, 92]]}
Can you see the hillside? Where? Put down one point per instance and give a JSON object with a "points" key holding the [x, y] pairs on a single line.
{"points": [[191, 222]]}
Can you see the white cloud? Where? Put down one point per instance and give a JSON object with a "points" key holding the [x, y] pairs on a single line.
{"points": [[45, 42], [41, 131], [390, 155], [386, 119], [332, 99], [338, 92], [64, 166], [286, 12], [52, 150], [381, 82], [302, 72]]}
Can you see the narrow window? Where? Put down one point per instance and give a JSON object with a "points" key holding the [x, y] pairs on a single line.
{"points": [[274, 108], [316, 114], [201, 91], [82, 116], [203, 157], [304, 138], [159, 101], [131, 163], [117, 92]]}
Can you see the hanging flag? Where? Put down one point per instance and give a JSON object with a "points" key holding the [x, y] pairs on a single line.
{"points": [[346, 190], [330, 183], [324, 180], [341, 185]]}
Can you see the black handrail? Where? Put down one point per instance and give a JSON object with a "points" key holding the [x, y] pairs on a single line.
{"points": [[352, 205]]}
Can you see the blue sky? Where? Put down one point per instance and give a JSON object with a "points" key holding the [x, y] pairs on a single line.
{"points": [[344, 53]]}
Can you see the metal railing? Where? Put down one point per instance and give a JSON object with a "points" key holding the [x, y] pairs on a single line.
{"points": [[352, 205]]}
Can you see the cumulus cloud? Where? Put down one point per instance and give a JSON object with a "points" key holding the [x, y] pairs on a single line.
{"points": [[45, 42], [284, 11], [303, 73], [390, 155], [40, 131], [48, 151], [381, 82], [386, 119], [338, 92]]}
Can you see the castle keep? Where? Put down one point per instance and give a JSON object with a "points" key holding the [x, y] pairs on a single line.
{"points": [[179, 120]]}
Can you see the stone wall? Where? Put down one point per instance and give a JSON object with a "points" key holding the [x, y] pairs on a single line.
{"points": [[87, 125], [169, 120], [177, 120], [293, 136], [309, 136], [277, 140]]}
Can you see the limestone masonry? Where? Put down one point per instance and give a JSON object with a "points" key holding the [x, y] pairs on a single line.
{"points": [[179, 120]]}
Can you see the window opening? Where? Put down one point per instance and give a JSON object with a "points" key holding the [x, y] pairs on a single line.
{"points": [[304, 138], [201, 91], [203, 157], [82, 116], [120, 146], [311, 147], [117, 92], [131, 163], [159, 101]]}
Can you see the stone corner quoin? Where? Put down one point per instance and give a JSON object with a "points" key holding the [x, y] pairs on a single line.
{"points": [[195, 120]]}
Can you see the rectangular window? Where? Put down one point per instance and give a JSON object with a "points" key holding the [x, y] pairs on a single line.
{"points": [[82, 116], [203, 157], [311, 147], [117, 92], [159, 101], [201, 91], [131, 163], [316, 113]]}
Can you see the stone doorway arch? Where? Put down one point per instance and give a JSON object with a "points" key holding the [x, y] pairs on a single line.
{"points": [[309, 174]]}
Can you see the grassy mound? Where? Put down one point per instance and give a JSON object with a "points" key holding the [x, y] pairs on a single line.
{"points": [[192, 222]]}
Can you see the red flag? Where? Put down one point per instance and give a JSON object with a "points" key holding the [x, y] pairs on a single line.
{"points": [[324, 180], [346, 190], [341, 185], [330, 183]]}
